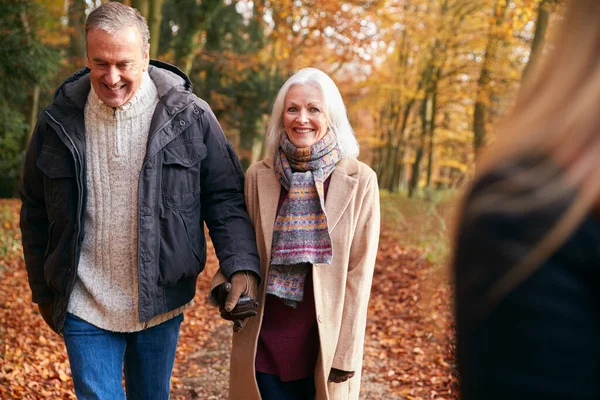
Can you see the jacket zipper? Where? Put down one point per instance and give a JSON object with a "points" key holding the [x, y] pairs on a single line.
{"points": [[78, 172]]}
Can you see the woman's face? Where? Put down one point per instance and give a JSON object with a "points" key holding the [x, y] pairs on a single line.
{"points": [[304, 115]]}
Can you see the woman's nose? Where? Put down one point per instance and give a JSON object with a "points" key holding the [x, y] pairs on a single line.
{"points": [[302, 116]]}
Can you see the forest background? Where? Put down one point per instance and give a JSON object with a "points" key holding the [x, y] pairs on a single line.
{"points": [[424, 82]]}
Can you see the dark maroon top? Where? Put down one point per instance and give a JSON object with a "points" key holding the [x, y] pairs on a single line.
{"points": [[288, 344]]}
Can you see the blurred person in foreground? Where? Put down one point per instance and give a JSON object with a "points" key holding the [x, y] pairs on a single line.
{"points": [[123, 170], [527, 250], [315, 209]]}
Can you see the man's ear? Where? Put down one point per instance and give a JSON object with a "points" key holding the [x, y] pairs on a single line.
{"points": [[147, 59]]}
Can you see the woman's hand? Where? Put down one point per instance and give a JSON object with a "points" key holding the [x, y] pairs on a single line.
{"points": [[339, 376]]}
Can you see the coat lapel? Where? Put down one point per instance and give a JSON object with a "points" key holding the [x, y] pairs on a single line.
{"points": [[342, 188], [268, 198]]}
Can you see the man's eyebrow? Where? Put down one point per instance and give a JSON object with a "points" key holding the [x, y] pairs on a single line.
{"points": [[125, 61]]}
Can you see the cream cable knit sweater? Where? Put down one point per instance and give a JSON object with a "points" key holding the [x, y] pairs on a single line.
{"points": [[106, 289]]}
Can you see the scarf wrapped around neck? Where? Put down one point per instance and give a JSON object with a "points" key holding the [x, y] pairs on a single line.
{"points": [[300, 234]]}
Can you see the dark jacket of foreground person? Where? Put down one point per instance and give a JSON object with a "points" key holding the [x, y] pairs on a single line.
{"points": [[541, 340]]}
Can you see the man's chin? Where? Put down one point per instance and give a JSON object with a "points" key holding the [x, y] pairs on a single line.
{"points": [[113, 101]]}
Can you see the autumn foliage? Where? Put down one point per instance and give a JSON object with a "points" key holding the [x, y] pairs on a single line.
{"points": [[423, 81]]}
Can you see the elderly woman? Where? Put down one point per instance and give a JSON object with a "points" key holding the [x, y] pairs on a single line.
{"points": [[315, 209]]}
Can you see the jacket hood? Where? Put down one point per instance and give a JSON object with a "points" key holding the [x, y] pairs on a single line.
{"points": [[75, 89]]}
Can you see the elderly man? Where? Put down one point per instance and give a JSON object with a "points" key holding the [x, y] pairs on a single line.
{"points": [[123, 170]]}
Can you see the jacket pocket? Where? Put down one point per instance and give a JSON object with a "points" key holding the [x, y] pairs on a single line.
{"points": [[59, 179], [181, 174], [58, 259], [55, 165], [182, 246]]}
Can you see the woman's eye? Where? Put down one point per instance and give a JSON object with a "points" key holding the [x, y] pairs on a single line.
{"points": [[315, 110], [291, 109]]}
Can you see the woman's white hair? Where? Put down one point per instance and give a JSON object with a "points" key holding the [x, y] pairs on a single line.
{"points": [[335, 112]]}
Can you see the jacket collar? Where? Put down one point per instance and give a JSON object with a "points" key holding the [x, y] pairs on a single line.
{"points": [[75, 89], [174, 91]]}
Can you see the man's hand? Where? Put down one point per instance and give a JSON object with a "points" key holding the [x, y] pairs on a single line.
{"points": [[339, 376], [46, 312], [237, 299]]}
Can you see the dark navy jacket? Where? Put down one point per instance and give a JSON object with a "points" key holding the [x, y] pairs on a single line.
{"points": [[190, 176], [541, 340]]}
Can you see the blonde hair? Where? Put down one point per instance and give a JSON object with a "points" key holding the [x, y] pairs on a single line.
{"points": [[556, 118], [335, 111]]}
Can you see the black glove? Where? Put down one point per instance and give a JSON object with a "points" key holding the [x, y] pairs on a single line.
{"points": [[339, 376], [237, 299]]}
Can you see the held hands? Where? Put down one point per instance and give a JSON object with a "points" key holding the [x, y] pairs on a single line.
{"points": [[237, 299], [339, 376]]}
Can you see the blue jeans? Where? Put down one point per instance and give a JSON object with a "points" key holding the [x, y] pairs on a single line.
{"points": [[272, 388], [99, 358]]}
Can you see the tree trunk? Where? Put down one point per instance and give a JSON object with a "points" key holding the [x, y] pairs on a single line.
{"points": [[416, 167], [388, 167], [483, 100], [34, 98], [33, 112], [142, 6], [541, 25], [77, 49], [431, 132], [154, 21]]}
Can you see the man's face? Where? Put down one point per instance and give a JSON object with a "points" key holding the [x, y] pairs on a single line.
{"points": [[117, 64]]}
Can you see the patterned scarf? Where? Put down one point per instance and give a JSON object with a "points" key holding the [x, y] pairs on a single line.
{"points": [[300, 234]]}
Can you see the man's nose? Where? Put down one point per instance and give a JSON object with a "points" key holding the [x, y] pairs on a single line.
{"points": [[112, 76]]}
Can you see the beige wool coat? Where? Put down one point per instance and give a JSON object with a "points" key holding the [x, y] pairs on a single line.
{"points": [[341, 289]]}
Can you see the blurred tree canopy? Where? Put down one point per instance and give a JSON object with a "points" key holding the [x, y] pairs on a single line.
{"points": [[423, 80], [27, 65]]}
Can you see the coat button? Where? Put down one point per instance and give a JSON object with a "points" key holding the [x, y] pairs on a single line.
{"points": [[182, 123], [320, 318]]}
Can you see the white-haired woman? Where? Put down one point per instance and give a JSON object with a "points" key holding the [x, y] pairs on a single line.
{"points": [[527, 252], [315, 209]]}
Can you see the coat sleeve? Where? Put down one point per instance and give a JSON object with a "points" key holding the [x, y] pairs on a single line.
{"points": [[223, 206], [34, 219], [363, 252], [250, 196]]}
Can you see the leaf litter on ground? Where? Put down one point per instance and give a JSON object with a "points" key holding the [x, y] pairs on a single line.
{"points": [[409, 342]]}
